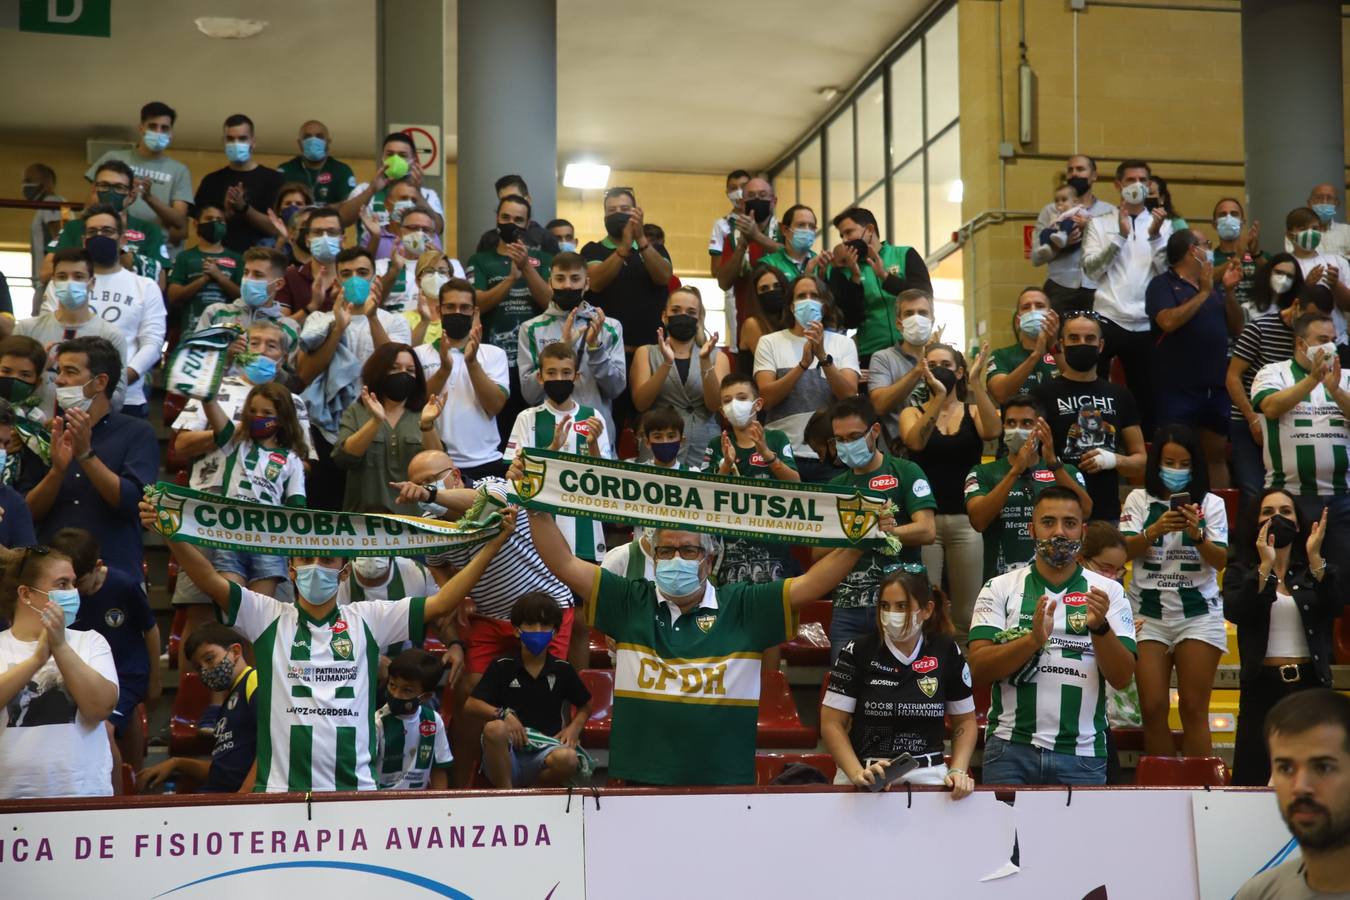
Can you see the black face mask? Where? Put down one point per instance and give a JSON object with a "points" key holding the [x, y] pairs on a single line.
{"points": [[1081, 357], [771, 301], [559, 390], [14, 390], [401, 707], [861, 248], [945, 377], [211, 232], [398, 386], [567, 299], [682, 327], [758, 208], [32, 191], [615, 224], [1079, 184], [509, 232], [456, 325], [102, 249], [1282, 529]]}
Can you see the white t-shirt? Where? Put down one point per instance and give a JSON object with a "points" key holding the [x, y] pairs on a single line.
{"points": [[47, 748], [1325, 259], [469, 434], [778, 353], [402, 297], [135, 305], [357, 336]]}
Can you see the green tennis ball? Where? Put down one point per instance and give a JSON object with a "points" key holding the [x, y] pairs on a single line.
{"points": [[395, 167]]}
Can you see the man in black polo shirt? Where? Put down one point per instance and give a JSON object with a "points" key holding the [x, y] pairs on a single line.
{"points": [[630, 276], [528, 691]]}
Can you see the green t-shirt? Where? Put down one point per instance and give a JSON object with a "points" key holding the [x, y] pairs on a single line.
{"points": [[878, 330], [903, 483], [785, 264], [188, 267], [501, 326], [1008, 543], [144, 241], [753, 562], [686, 694], [330, 183], [1245, 291], [1005, 359]]}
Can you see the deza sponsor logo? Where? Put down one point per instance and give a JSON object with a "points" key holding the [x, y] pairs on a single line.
{"points": [[883, 482], [925, 665]]}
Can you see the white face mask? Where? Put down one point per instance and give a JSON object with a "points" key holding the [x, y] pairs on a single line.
{"points": [[371, 567], [739, 412], [1135, 193], [431, 282], [900, 627], [72, 397], [1328, 350], [917, 329], [1280, 282]]}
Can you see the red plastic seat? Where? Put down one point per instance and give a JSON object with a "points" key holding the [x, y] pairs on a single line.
{"points": [[628, 445], [188, 704], [1341, 638], [599, 651], [769, 766], [128, 780], [1230, 498], [799, 652], [600, 682], [1181, 771], [779, 724], [178, 624]]}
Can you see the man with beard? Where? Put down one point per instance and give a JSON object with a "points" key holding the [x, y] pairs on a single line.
{"points": [[1309, 738]]}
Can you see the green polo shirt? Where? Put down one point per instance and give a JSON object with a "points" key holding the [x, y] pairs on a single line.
{"points": [[331, 182], [786, 264], [878, 330], [1008, 542], [904, 484], [686, 693], [500, 326], [1005, 359], [187, 267]]}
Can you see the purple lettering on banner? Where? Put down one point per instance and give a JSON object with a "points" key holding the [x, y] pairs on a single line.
{"points": [[359, 841], [323, 838], [456, 836], [435, 840], [105, 846], [83, 847], [499, 836], [213, 843], [478, 835], [522, 834], [392, 842], [278, 842], [542, 839], [301, 842], [141, 841]]}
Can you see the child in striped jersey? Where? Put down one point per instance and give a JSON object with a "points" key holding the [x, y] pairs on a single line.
{"points": [[414, 752], [259, 461]]}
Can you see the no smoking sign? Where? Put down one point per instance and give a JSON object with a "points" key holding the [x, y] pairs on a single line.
{"points": [[427, 141]]}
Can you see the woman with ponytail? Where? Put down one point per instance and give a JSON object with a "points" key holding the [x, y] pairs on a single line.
{"points": [[56, 686]]}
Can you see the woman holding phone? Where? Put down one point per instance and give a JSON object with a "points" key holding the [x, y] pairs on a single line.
{"points": [[910, 663], [1176, 531]]}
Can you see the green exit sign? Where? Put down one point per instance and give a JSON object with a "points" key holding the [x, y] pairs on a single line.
{"points": [[90, 18]]}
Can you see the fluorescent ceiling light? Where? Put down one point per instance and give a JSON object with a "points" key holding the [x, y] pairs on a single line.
{"points": [[956, 191], [586, 176], [228, 28]]}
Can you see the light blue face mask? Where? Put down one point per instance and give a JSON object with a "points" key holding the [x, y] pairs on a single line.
{"points": [[678, 577], [1174, 479], [254, 291], [567, 247], [356, 289], [262, 370], [808, 312], [325, 247], [802, 239], [68, 599], [238, 151], [854, 454], [1029, 323], [157, 141], [1228, 227], [314, 148], [317, 584], [1209, 257], [71, 294], [1325, 212]]}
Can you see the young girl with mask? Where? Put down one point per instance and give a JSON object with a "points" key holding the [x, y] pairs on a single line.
{"points": [[763, 315], [56, 686], [1179, 548], [926, 674], [683, 370], [1283, 597]]}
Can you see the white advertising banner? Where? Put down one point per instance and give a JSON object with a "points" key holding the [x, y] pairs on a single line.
{"points": [[516, 846], [1237, 834]]}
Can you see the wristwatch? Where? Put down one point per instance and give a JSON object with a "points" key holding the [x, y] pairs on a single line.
{"points": [[1105, 629], [432, 491], [504, 712], [86, 455], [827, 361]]}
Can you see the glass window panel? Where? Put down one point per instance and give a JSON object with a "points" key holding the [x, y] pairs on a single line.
{"points": [[943, 102], [906, 105], [871, 137], [875, 203], [944, 188], [808, 180], [785, 185], [907, 201], [839, 135], [949, 292]]}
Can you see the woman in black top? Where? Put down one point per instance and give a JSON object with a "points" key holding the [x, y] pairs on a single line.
{"points": [[946, 436], [890, 691], [1283, 599]]}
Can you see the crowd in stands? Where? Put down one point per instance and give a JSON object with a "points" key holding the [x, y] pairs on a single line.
{"points": [[1059, 502]]}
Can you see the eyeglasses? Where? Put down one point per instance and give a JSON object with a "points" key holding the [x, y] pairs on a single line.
{"points": [[909, 568], [105, 231], [689, 551], [116, 188]]}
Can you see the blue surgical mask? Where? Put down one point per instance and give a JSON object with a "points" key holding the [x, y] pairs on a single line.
{"points": [[1174, 479], [157, 141], [325, 247], [316, 583], [71, 294], [1029, 323], [1209, 257], [802, 239], [262, 370], [567, 246], [536, 641], [808, 312], [854, 454], [400, 208], [678, 577], [68, 599], [356, 289], [314, 148], [1325, 212], [1228, 227], [238, 151], [254, 291]]}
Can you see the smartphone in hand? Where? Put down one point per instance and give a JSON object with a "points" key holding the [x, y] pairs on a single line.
{"points": [[899, 767]]}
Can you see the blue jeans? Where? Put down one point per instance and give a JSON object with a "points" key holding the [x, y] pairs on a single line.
{"points": [[1248, 466], [848, 624], [1008, 763]]}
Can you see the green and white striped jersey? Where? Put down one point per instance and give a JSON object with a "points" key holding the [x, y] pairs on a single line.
{"points": [[316, 686], [410, 747], [1170, 581], [1058, 700], [1307, 452]]}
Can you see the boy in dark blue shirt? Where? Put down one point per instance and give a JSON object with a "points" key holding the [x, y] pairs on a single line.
{"points": [[113, 603]]}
